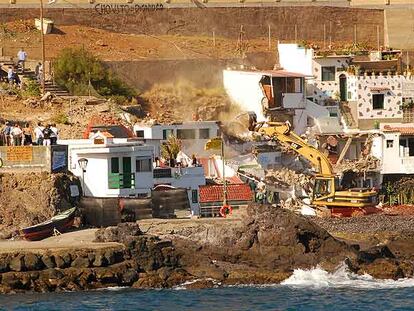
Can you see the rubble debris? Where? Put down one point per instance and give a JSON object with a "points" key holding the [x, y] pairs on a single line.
{"points": [[366, 164], [285, 178]]}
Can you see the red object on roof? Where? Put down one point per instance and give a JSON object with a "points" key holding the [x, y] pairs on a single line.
{"points": [[402, 130], [235, 192], [107, 124]]}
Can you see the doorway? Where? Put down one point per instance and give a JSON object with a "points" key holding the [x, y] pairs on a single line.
{"points": [[342, 87], [126, 172]]}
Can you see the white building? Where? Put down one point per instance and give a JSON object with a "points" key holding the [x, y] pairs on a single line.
{"points": [[193, 134], [125, 168], [396, 149], [278, 95]]}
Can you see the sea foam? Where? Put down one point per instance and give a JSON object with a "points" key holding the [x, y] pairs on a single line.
{"points": [[341, 278]]}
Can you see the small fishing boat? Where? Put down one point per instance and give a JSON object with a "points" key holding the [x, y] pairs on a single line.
{"points": [[61, 222]]}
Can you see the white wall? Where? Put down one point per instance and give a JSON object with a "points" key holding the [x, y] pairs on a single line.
{"points": [[244, 90], [294, 58]]}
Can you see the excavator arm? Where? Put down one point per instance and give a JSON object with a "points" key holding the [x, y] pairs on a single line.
{"points": [[282, 133]]}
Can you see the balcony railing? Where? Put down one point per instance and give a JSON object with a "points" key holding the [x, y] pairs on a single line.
{"points": [[121, 181]]}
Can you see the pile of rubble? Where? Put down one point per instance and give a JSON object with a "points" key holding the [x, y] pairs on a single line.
{"points": [[285, 178], [362, 165]]}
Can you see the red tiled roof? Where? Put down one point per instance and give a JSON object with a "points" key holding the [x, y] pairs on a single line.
{"points": [[402, 130], [235, 192]]}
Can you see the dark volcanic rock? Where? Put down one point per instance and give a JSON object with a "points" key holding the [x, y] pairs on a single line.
{"points": [[120, 233], [32, 262], [269, 238], [17, 263]]}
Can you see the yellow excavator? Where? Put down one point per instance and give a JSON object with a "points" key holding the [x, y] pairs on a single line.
{"points": [[326, 190]]}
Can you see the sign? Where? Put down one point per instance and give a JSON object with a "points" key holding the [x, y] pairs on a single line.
{"points": [[213, 144], [122, 9], [19, 154], [58, 160]]}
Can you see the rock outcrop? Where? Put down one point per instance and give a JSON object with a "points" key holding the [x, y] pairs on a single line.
{"points": [[264, 247]]}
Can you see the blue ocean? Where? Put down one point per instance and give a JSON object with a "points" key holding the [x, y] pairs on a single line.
{"points": [[305, 290]]}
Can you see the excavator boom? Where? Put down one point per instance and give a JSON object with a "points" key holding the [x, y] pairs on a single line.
{"points": [[282, 133]]}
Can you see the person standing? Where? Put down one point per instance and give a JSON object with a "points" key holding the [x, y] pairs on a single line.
{"points": [[27, 135], [47, 132], [17, 134], [10, 75], [21, 58], [6, 134], [38, 69], [54, 135], [38, 131]]}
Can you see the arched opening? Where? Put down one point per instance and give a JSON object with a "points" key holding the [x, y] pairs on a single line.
{"points": [[342, 87]]}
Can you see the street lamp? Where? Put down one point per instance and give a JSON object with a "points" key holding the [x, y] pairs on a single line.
{"points": [[83, 163]]}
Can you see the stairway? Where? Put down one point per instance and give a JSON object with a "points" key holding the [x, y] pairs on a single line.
{"points": [[55, 89]]}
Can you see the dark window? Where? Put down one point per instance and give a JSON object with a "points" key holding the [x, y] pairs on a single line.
{"points": [[408, 144], [140, 133], [185, 134], [377, 101], [194, 196], [143, 165], [328, 73], [293, 85], [167, 133], [204, 133], [390, 143], [162, 173], [114, 165]]}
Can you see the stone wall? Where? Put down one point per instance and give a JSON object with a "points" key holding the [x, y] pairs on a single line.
{"points": [[226, 22], [362, 88]]}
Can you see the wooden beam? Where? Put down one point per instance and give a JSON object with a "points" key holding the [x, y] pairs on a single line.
{"points": [[346, 147]]}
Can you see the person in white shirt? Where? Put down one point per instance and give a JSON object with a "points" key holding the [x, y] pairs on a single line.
{"points": [[21, 57], [38, 131], [54, 135], [17, 134]]}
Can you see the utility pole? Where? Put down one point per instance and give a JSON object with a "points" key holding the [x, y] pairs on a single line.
{"points": [[42, 39], [224, 172], [269, 38]]}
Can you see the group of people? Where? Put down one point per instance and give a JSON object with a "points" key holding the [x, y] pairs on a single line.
{"points": [[16, 135], [12, 74]]}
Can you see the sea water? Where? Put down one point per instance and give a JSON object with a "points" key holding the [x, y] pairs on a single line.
{"points": [[313, 289]]}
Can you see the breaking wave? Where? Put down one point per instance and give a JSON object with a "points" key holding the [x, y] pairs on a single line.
{"points": [[341, 278]]}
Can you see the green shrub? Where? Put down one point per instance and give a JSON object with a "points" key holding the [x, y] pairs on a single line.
{"points": [[31, 89], [78, 70], [60, 118]]}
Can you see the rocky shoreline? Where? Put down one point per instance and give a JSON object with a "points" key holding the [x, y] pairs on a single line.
{"points": [[264, 247]]}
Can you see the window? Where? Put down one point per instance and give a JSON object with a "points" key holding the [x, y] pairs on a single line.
{"points": [[293, 85], [114, 165], [204, 134], [143, 165], [194, 196], [167, 133], [140, 133], [390, 143], [185, 134], [406, 147], [377, 101], [322, 187], [328, 73]]}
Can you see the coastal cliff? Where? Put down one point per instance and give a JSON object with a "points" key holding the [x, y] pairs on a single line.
{"points": [[264, 246]]}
